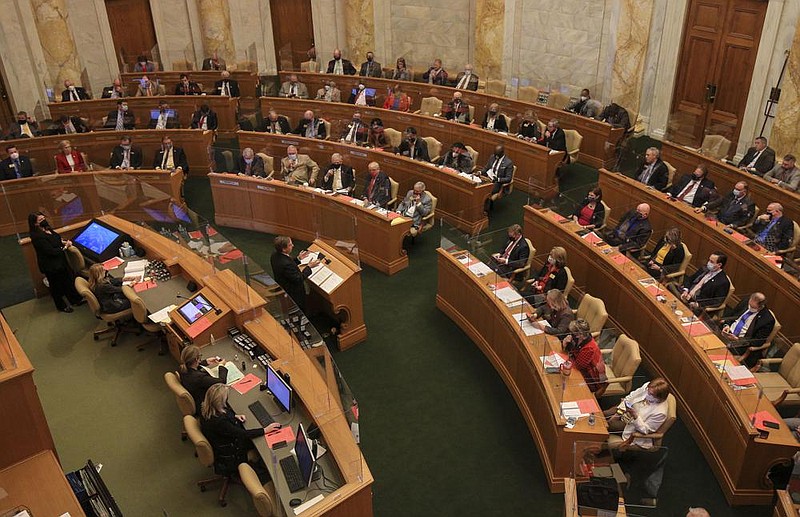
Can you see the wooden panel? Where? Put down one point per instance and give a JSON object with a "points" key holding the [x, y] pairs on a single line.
{"points": [[38, 484], [123, 15], [247, 80], [292, 32]]}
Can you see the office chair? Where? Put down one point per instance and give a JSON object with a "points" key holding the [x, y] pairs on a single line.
{"points": [[507, 189], [767, 343], [615, 441], [625, 359], [393, 193], [782, 387], [715, 146], [264, 497], [574, 140], [429, 220], [558, 100], [393, 137], [474, 154], [677, 276], [206, 457], [606, 216], [570, 282], [113, 320], [593, 310], [670, 175], [496, 87], [745, 228], [76, 262], [183, 398], [716, 310], [269, 164], [521, 273], [139, 311], [788, 253], [528, 94], [431, 106], [434, 147]]}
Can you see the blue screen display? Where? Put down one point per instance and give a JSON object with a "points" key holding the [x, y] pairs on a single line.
{"points": [[96, 238], [278, 387]]}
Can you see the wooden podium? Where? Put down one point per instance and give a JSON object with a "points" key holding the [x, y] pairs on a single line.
{"points": [[211, 323], [341, 301]]}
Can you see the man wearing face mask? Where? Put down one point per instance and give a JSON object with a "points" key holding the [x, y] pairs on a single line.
{"points": [[52, 262], [311, 126], [226, 86], [338, 176], [500, 171], [370, 67], [413, 147], [187, 87], [361, 96], [694, 189], [582, 106], [164, 117], [435, 74], [115, 91], [785, 175], [416, 205], [467, 80], [457, 110], [294, 89], [298, 168], [633, 230], [120, 119], [16, 165], [24, 127], [356, 131], [329, 93], [340, 66], [276, 124], [144, 65], [514, 254], [250, 164], [457, 159], [73, 93], [377, 187], [170, 158], [747, 326], [641, 411], [125, 156], [69, 125], [707, 287], [148, 88], [493, 121], [772, 229], [204, 118], [734, 209]]}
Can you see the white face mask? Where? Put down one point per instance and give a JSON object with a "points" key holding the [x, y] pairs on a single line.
{"points": [[124, 107], [455, 154], [584, 98], [71, 88], [327, 87], [651, 399], [711, 266], [360, 86], [293, 157], [14, 156], [550, 260]]}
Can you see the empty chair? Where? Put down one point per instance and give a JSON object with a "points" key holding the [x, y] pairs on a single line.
{"points": [[139, 311], [434, 147], [182, 397], [574, 140], [528, 94], [782, 387], [671, 174], [113, 320], [495, 87], [558, 100], [431, 106], [309, 66], [269, 166], [393, 193], [593, 310], [393, 137], [182, 65], [205, 455], [264, 498], [227, 158], [625, 359], [715, 146]]}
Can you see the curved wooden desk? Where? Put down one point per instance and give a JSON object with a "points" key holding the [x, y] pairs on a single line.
{"points": [[98, 145], [468, 301], [185, 105], [273, 206], [460, 199], [726, 176], [536, 167], [748, 269], [717, 416], [599, 139], [170, 79]]}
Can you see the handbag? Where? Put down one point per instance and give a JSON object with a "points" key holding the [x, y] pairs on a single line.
{"points": [[599, 493]]}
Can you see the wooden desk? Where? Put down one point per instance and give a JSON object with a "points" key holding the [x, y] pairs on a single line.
{"points": [[599, 139], [67, 197], [726, 176], [785, 507], [38, 483], [185, 105], [536, 167], [468, 301], [170, 79], [717, 416], [272, 206], [98, 145], [571, 502], [747, 268], [218, 322]]}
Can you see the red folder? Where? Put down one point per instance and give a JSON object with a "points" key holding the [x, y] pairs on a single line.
{"points": [[198, 326], [246, 383]]}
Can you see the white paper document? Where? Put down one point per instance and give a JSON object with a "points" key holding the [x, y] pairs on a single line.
{"points": [[508, 295], [135, 266], [162, 316], [234, 373], [320, 274], [739, 373], [480, 269], [553, 360], [571, 409], [331, 283], [308, 258]]}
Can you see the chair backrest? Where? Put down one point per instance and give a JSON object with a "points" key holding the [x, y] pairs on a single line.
{"points": [[472, 112], [574, 140], [394, 190], [528, 93], [625, 359], [182, 65], [430, 106], [434, 147], [82, 286], [508, 121], [205, 454], [790, 366], [474, 154], [182, 396], [309, 66], [558, 100], [262, 499], [671, 171], [687, 257], [250, 66], [227, 156], [672, 415], [775, 330], [715, 146], [269, 165], [531, 253], [570, 282], [393, 136], [495, 87], [593, 310], [138, 308], [76, 261], [606, 213], [795, 238], [327, 129]]}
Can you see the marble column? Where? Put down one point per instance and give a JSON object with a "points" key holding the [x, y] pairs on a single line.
{"points": [[633, 33], [215, 21], [58, 44], [489, 38], [785, 136], [359, 31]]}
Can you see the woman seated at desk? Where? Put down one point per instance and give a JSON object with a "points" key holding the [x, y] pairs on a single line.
{"points": [[397, 100], [556, 312], [107, 290], [591, 212], [197, 380], [377, 137], [68, 159], [529, 129], [585, 355], [666, 256], [551, 276]]}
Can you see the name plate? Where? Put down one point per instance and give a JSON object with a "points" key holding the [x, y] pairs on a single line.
{"points": [[290, 142], [362, 154], [265, 188], [229, 182]]}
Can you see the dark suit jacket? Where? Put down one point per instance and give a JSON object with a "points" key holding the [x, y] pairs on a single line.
{"points": [[108, 90], [499, 123], [713, 292], [172, 122], [420, 149], [208, 64], [211, 120], [759, 328], [82, 95], [301, 128], [192, 89], [460, 113], [347, 67], [77, 123], [117, 155], [765, 162], [348, 177], [472, 84], [14, 130], [732, 211], [440, 78], [517, 257], [49, 253], [8, 172], [374, 71], [635, 237], [128, 120], [178, 159], [233, 86], [557, 142], [229, 440], [557, 280], [660, 177], [197, 383], [256, 168], [461, 163], [703, 191], [282, 123], [381, 192], [673, 258], [362, 132], [290, 277], [505, 173], [781, 233]]}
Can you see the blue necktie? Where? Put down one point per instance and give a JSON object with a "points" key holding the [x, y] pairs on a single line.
{"points": [[741, 323], [18, 168], [763, 234]]}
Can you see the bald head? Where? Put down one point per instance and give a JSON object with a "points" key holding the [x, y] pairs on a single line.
{"points": [[698, 512], [643, 210]]}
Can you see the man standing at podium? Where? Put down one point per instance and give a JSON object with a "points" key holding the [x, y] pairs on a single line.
{"points": [[287, 272]]}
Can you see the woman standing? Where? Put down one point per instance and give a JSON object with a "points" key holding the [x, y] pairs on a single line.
{"points": [[49, 247]]}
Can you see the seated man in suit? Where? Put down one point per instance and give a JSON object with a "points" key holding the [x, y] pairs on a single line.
{"points": [[170, 158], [214, 62], [356, 131], [73, 93], [413, 147], [748, 325], [707, 287], [248, 163], [555, 138], [633, 229], [24, 127], [226, 86], [204, 118], [187, 87], [286, 272], [338, 176], [164, 118], [786, 174], [694, 189], [416, 205], [293, 89], [584, 105], [298, 168], [653, 172], [515, 253], [772, 229], [69, 159], [276, 124], [361, 96], [115, 91], [311, 126], [69, 126], [329, 93], [467, 80], [340, 66], [759, 159], [370, 67], [456, 110], [148, 88], [457, 159], [616, 116], [121, 118], [125, 156], [493, 121], [500, 171], [734, 209], [144, 65], [377, 187], [15, 165], [436, 74]]}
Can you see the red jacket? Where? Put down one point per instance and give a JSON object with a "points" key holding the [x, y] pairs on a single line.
{"points": [[589, 361], [62, 165]]}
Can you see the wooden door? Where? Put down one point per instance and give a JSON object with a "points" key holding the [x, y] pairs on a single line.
{"points": [[292, 31], [7, 115], [719, 50], [132, 30]]}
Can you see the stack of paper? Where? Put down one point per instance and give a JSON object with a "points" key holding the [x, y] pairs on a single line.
{"points": [[308, 258], [331, 283], [740, 375], [553, 360], [526, 325], [579, 408], [162, 316], [480, 269], [112, 263], [234, 373], [592, 237], [506, 293], [134, 272], [320, 274]]}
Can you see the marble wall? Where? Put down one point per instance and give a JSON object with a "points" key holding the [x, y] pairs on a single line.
{"points": [[360, 30], [58, 44], [785, 136], [215, 20], [632, 38], [489, 34]]}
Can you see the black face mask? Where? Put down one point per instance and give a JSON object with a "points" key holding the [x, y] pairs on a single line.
{"points": [[22, 121], [45, 224], [370, 59], [499, 154]]}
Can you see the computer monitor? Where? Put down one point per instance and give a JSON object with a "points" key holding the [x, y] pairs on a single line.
{"points": [[195, 308], [98, 241], [155, 113], [305, 457], [369, 92], [280, 389]]}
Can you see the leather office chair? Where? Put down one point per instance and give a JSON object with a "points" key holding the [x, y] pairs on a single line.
{"points": [[250, 66], [521, 273], [625, 359], [393, 137], [269, 164], [495, 87], [474, 154], [782, 387], [716, 310], [616, 442], [745, 228], [113, 320], [429, 220], [570, 282], [593, 310], [431, 106], [309, 66], [227, 157], [606, 215], [767, 343], [76, 262], [393, 193], [139, 311], [434, 147], [788, 253], [508, 121], [327, 129], [472, 113], [715, 146], [182, 397], [677, 276], [671, 175], [558, 100], [574, 140], [264, 497], [205, 455], [528, 94]]}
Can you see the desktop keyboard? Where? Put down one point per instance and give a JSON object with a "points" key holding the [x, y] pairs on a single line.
{"points": [[261, 413], [291, 472]]}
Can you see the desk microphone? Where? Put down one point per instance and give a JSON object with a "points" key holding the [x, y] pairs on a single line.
{"points": [[207, 306]]}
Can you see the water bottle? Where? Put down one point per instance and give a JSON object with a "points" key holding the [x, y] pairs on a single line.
{"points": [[591, 418]]}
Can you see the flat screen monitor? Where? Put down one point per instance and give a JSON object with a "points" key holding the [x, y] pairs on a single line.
{"points": [[280, 389], [305, 457], [369, 92], [155, 113], [99, 242], [195, 308]]}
